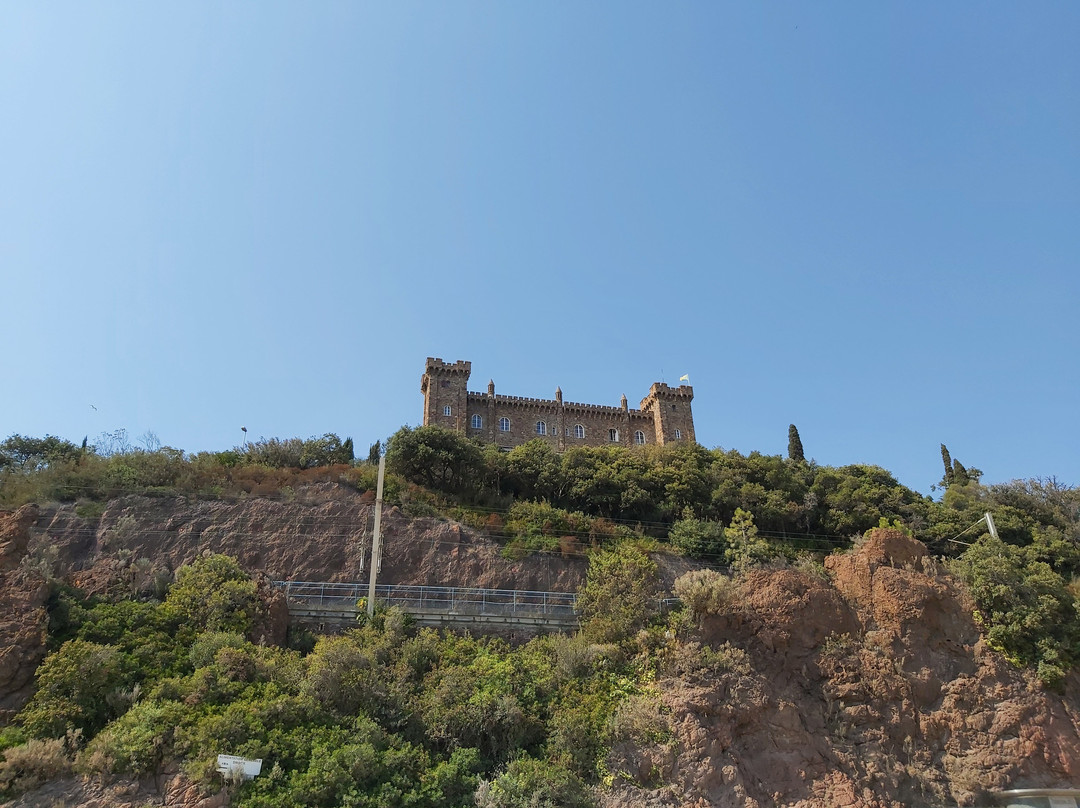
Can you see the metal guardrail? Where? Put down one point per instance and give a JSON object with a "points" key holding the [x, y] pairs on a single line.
{"points": [[451, 600]]}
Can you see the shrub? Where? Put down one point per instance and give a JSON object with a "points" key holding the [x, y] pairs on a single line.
{"points": [[74, 685], [706, 592], [620, 594], [530, 783], [1026, 609], [31, 764], [213, 593], [640, 720], [136, 743]]}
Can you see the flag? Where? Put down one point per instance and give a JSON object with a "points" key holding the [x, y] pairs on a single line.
{"points": [[685, 378]]}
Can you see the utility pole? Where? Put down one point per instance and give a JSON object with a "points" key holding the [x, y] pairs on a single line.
{"points": [[376, 539]]}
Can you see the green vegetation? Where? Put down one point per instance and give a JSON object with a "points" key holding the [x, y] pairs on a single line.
{"points": [[383, 715], [721, 507]]}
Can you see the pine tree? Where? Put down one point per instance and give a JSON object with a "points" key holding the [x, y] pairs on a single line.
{"points": [[794, 444], [374, 453]]}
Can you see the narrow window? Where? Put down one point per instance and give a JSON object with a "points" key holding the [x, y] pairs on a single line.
{"points": [[477, 422], [504, 424], [541, 428], [639, 438], [446, 410], [566, 431], [678, 434], [579, 431], [613, 435]]}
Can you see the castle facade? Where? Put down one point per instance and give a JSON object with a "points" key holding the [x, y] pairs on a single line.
{"points": [[664, 416]]}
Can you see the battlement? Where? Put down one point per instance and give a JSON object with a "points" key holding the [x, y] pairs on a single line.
{"points": [[566, 406], [659, 389], [437, 364]]}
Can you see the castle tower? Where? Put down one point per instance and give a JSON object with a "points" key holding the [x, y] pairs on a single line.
{"points": [[446, 394], [671, 413]]}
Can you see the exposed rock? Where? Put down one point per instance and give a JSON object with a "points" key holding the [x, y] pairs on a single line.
{"points": [[23, 620], [170, 791], [324, 534], [870, 691]]}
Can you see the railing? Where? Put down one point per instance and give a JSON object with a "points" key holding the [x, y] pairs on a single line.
{"points": [[449, 600]]}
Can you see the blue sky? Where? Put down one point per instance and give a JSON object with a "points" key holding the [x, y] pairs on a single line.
{"points": [[863, 219]]}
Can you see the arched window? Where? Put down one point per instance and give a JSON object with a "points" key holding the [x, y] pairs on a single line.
{"points": [[639, 438], [477, 422], [504, 424], [579, 431], [613, 435], [678, 434], [446, 410], [541, 428]]}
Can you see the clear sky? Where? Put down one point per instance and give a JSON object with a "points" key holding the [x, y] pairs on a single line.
{"points": [[861, 218]]}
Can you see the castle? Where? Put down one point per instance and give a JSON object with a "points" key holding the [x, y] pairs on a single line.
{"points": [[508, 421]]}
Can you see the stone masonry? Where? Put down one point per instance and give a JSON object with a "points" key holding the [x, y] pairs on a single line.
{"points": [[664, 417]]}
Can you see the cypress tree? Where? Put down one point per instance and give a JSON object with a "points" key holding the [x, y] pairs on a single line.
{"points": [[947, 460], [794, 444]]}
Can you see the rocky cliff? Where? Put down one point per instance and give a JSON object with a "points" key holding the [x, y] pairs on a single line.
{"points": [[868, 686], [864, 684]]}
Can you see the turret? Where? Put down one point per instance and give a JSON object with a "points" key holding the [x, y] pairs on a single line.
{"points": [[670, 409], [446, 393]]}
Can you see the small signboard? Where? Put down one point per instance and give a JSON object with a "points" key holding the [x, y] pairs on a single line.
{"points": [[1063, 802], [250, 769]]}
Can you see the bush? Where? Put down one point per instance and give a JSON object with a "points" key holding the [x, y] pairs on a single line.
{"points": [[620, 594], [706, 592], [213, 593], [1026, 609], [531, 783], [31, 764], [137, 743], [75, 690]]}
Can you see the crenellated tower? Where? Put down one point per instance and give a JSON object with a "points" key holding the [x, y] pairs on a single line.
{"points": [[446, 393], [670, 411]]}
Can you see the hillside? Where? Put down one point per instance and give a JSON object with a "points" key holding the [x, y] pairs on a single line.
{"points": [[863, 683]]}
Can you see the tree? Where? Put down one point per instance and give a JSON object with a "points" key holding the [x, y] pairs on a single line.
{"points": [[619, 595], [794, 445], [33, 454], [374, 453], [329, 450], [946, 481], [745, 547], [698, 538], [436, 458]]}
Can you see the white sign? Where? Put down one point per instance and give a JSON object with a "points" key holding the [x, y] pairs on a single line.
{"points": [[227, 764], [1063, 802]]}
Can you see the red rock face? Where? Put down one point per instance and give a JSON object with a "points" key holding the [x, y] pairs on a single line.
{"points": [[870, 689], [23, 620]]}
